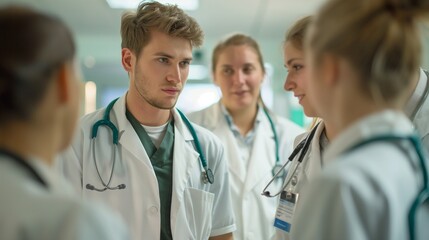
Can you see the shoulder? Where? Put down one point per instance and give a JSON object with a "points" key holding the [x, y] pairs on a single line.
{"points": [[92, 117], [288, 127], [206, 137], [204, 116], [87, 220]]}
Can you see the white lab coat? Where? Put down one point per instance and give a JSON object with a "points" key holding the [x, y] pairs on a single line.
{"points": [[365, 193], [311, 166], [198, 210], [29, 210], [253, 212]]}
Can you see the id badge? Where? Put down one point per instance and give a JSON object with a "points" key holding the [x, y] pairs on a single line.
{"points": [[285, 211]]}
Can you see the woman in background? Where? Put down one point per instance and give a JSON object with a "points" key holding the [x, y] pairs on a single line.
{"points": [[362, 57], [39, 102], [255, 139]]}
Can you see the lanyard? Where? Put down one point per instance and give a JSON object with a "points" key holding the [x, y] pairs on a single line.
{"points": [[23, 164]]}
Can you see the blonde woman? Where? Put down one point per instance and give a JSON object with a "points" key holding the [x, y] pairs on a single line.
{"points": [[362, 57], [306, 162]]}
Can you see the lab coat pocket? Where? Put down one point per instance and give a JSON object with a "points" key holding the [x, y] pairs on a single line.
{"points": [[198, 207]]}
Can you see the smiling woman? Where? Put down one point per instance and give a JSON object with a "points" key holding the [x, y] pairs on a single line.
{"points": [[256, 140]]}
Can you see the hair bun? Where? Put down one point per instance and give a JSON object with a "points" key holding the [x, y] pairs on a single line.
{"points": [[407, 9]]}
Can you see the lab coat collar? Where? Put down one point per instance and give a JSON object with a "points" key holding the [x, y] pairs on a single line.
{"points": [[417, 95], [185, 156], [128, 137], [384, 122], [55, 183], [257, 169]]}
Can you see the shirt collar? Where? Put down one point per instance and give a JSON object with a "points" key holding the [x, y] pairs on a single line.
{"points": [[233, 127], [417, 95], [385, 122]]}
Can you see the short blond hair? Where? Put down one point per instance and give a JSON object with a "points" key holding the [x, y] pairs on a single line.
{"points": [[379, 38], [150, 16]]}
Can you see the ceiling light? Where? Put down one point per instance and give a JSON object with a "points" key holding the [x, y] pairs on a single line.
{"points": [[132, 4]]}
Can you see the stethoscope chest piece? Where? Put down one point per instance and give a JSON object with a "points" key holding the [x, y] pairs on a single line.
{"points": [[208, 176]]}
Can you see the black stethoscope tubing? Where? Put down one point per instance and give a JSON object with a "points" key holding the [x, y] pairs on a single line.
{"points": [[302, 149]]}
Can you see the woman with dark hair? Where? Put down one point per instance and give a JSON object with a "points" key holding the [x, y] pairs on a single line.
{"points": [[39, 105]]}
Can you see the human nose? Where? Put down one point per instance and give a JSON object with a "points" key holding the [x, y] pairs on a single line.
{"points": [[174, 74], [289, 83], [238, 78]]}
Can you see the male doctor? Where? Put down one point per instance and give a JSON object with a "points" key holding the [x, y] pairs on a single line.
{"points": [[149, 170]]}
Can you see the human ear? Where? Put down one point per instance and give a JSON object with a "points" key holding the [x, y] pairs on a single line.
{"points": [[127, 58], [63, 88], [330, 67]]}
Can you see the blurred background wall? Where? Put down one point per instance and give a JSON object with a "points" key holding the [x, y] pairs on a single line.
{"points": [[96, 27]]}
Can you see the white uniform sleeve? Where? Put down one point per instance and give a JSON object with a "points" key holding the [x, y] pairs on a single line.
{"points": [[223, 216]]}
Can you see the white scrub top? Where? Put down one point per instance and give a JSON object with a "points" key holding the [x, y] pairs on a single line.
{"points": [[310, 166], [198, 210], [29, 210], [253, 212], [365, 193]]}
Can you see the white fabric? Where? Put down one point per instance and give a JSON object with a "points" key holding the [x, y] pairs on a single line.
{"points": [[198, 210], [253, 212], [28, 210], [421, 119], [365, 193], [244, 143], [157, 133], [310, 167]]}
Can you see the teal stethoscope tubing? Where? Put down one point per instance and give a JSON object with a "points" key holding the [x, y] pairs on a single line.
{"points": [[207, 177], [423, 195]]}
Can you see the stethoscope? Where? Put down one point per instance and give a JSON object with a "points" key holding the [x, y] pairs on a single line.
{"points": [[207, 175], [25, 165], [277, 171], [302, 149], [423, 195]]}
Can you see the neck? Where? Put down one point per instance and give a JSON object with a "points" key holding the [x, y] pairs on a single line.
{"points": [[330, 130], [361, 109], [244, 118], [27, 141], [144, 112]]}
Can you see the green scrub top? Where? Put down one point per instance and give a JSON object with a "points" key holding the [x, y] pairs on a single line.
{"points": [[162, 162]]}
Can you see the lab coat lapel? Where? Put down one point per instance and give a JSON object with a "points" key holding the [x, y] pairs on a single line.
{"points": [[217, 123], [314, 153], [185, 160], [128, 137], [262, 157]]}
